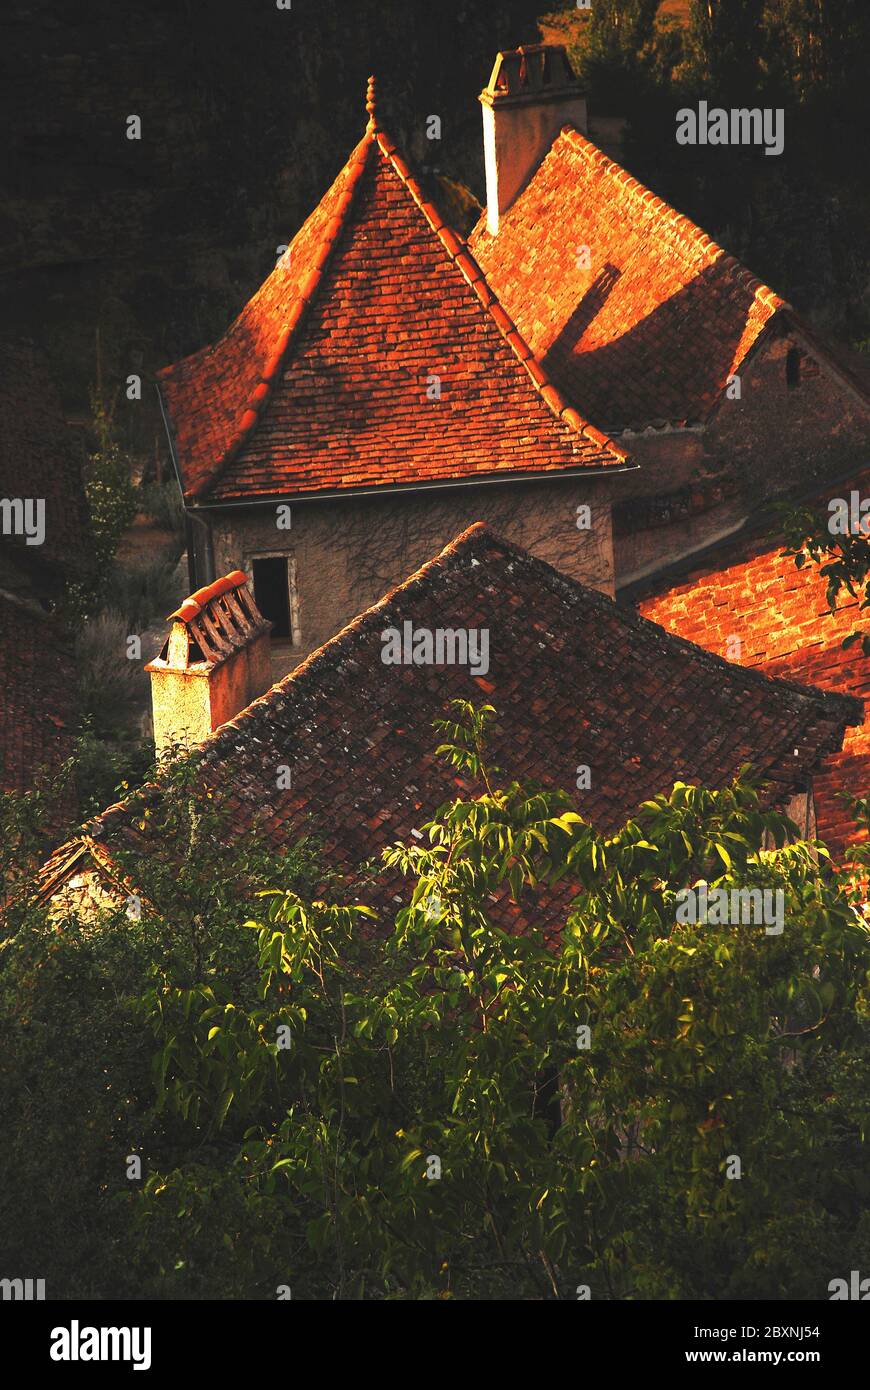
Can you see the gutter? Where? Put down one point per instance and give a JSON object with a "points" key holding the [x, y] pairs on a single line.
{"points": [[393, 489], [189, 518], [170, 436]]}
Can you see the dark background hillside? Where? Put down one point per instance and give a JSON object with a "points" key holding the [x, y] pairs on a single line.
{"points": [[248, 112], [135, 252]]}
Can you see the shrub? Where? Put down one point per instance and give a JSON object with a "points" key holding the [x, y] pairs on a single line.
{"points": [[145, 592], [104, 771], [163, 503], [111, 685], [112, 502]]}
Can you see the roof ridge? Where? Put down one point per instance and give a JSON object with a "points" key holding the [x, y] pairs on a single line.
{"points": [[459, 253], [213, 748], [353, 171], [686, 229], [460, 543], [844, 709]]}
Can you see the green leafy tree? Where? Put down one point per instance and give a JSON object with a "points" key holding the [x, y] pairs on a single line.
{"points": [[76, 1076], [726, 44], [819, 42], [841, 555], [112, 502], [440, 1107], [616, 48], [654, 1109]]}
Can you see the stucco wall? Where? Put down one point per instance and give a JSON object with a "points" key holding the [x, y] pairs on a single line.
{"points": [[180, 706], [349, 553]]}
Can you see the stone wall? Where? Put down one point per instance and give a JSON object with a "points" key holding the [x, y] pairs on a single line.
{"points": [[696, 485], [350, 552], [679, 500], [783, 439]]}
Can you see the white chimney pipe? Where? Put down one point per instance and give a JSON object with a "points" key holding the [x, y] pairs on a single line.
{"points": [[532, 93]]}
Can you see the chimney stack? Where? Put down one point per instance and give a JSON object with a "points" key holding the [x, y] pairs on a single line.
{"points": [[532, 93], [215, 661]]}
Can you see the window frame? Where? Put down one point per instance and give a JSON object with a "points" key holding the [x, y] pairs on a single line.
{"points": [[293, 604]]}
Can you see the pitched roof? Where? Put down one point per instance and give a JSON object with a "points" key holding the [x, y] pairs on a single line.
{"points": [[37, 460], [324, 381], [37, 681], [746, 588], [574, 678], [649, 331]]}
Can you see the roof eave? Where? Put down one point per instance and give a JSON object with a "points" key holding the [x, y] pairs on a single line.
{"points": [[206, 503]]}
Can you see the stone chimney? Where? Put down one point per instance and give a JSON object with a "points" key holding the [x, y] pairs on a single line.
{"points": [[215, 661], [532, 93]]}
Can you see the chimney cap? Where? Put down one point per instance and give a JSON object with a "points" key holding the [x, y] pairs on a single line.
{"points": [[212, 624], [193, 606], [538, 72]]}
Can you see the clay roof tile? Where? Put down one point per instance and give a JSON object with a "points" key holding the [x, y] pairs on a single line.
{"points": [[579, 654], [374, 294], [653, 325]]}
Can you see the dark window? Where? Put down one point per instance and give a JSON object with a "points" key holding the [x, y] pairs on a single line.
{"points": [[272, 593], [793, 367]]}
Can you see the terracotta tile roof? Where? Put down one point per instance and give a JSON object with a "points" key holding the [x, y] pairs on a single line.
{"points": [[745, 588], [321, 382], [37, 694], [648, 332], [38, 460], [575, 680]]}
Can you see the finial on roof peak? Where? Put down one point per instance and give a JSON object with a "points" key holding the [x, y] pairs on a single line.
{"points": [[371, 102]]}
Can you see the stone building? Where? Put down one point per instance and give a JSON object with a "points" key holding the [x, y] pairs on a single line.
{"points": [[389, 384], [704, 374], [344, 746], [371, 400]]}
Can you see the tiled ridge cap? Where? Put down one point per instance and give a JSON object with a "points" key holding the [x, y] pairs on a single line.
{"points": [[571, 589], [305, 294], [688, 231], [470, 543], [459, 253], [67, 857], [844, 709], [193, 606]]}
